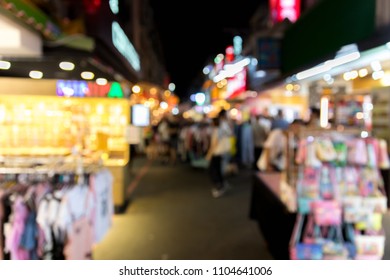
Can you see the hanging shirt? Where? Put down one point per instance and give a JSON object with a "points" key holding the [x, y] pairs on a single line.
{"points": [[75, 218], [13, 238], [101, 185]]}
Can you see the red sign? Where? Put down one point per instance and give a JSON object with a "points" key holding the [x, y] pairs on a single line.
{"points": [[285, 9], [236, 85], [229, 54]]}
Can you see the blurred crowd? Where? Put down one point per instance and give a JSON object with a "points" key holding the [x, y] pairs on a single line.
{"points": [[175, 139]]}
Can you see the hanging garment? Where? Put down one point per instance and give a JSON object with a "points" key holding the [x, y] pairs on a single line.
{"points": [[75, 217], [29, 238], [19, 216], [101, 186]]}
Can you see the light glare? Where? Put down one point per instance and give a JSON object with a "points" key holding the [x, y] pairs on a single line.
{"points": [[86, 75], [67, 66], [5, 65], [36, 74]]}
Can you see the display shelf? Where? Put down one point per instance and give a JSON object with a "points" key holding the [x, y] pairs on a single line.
{"points": [[341, 197]]}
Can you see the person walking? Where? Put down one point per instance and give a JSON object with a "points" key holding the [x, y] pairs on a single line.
{"points": [[260, 133], [219, 146]]}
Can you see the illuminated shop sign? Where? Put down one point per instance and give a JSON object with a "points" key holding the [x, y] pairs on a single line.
{"points": [[285, 9], [114, 6], [229, 54], [124, 46], [236, 85], [237, 45], [74, 88]]}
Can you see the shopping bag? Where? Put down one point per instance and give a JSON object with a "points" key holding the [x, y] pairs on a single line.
{"points": [[357, 152], [327, 212], [327, 183], [352, 208], [334, 247], [298, 249], [349, 240], [308, 182], [377, 204], [341, 153], [369, 247], [304, 204], [325, 150]]}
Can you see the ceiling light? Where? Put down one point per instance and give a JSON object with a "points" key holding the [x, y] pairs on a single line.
{"points": [[378, 75], [35, 74], [5, 65], [67, 66], [86, 75], [376, 66], [363, 72], [101, 81]]}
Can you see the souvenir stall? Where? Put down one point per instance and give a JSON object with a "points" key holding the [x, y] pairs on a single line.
{"points": [[341, 197], [329, 201]]}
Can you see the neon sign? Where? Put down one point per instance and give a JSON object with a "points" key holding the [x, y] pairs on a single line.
{"points": [[124, 46], [285, 9]]}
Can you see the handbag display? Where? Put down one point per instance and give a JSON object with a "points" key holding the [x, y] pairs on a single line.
{"points": [[351, 208], [308, 182], [369, 247], [303, 251], [357, 152], [327, 212], [340, 199], [325, 150]]}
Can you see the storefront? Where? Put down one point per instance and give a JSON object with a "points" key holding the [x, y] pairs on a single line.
{"points": [[56, 119]]}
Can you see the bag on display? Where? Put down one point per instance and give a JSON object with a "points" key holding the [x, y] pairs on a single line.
{"points": [[351, 208], [341, 153], [300, 250], [372, 152], [327, 212], [308, 182], [369, 247], [327, 184], [325, 150], [357, 152]]}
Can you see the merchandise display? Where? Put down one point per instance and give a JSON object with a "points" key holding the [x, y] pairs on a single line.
{"points": [[53, 126], [40, 125], [54, 216], [340, 197]]}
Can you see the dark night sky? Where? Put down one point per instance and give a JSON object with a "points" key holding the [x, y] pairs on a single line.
{"points": [[193, 31]]}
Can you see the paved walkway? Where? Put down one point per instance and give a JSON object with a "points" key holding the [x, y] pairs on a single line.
{"points": [[173, 216]]}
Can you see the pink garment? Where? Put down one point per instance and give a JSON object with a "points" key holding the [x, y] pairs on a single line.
{"points": [[80, 235], [20, 213], [79, 244]]}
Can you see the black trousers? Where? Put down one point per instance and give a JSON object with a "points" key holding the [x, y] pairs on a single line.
{"points": [[215, 170]]}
